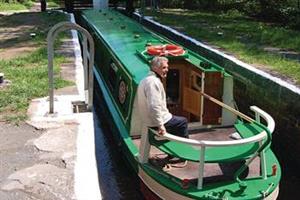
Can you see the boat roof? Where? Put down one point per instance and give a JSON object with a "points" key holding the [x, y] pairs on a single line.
{"points": [[127, 39]]}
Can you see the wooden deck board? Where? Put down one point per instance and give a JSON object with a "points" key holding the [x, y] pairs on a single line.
{"points": [[214, 134]]}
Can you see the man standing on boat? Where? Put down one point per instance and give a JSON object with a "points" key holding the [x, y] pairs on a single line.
{"points": [[153, 105]]}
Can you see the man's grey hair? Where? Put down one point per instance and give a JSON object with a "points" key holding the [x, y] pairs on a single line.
{"points": [[157, 61]]}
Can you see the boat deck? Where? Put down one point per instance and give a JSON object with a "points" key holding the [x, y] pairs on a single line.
{"points": [[213, 172]]}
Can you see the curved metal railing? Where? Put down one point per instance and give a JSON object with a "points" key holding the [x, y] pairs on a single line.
{"points": [[209, 143], [88, 76], [259, 113]]}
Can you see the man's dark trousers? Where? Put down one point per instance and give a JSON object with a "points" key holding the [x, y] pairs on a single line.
{"points": [[178, 126]]}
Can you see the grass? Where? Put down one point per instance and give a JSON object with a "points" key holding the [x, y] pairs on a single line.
{"points": [[240, 35], [27, 4], [53, 4], [15, 6], [29, 79], [29, 74]]}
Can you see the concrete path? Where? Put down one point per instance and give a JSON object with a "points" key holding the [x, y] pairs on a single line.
{"points": [[64, 165]]}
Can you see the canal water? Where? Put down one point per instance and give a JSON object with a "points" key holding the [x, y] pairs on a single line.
{"points": [[118, 181], [290, 179]]}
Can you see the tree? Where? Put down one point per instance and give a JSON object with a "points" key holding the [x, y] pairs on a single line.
{"points": [[43, 5], [129, 7]]}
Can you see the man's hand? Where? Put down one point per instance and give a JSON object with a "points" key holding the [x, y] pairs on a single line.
{"points": [[161, 130]]}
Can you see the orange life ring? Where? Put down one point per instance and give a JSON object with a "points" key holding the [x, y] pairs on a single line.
{"points": [[165, 50]]}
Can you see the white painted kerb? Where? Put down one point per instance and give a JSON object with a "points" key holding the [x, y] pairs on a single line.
{"points": [[86, 184], [86, 176]]}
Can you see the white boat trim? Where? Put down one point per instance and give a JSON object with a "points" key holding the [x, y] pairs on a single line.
{"points": [[158, 189], [165, 193]]}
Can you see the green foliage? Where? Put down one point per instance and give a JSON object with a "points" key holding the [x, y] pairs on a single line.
{"points": [[14, 1], [29, 74], [7, 5], [171, 4], [53, 3], [286, 12], [29, 79], [240, 35]]}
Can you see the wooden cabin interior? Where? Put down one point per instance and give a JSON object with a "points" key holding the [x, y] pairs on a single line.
{"points": [[184, 85]]}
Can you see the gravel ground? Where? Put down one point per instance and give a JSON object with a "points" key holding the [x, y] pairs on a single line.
{"points": [[16, 152], [29, 168]]}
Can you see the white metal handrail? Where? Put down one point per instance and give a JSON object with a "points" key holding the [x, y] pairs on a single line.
{"points": [[207, 143], [88, 66]]}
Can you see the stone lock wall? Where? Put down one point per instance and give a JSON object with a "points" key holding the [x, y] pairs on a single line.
{"points": [[282, 103]]}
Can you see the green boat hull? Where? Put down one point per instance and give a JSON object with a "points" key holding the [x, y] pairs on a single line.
{"points": [[119, 114]]}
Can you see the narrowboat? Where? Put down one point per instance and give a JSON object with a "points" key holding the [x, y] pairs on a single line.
{"points": [[227, 154]]}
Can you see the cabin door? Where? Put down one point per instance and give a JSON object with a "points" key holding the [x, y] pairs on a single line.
{"points": [[198, 108], [192, 99], [212, 113], [183, 85], [173, 90]]}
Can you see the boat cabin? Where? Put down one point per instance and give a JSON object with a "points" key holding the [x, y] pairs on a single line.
{"points": [[185, 83]]}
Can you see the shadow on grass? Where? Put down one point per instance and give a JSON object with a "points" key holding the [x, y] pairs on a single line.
{"points": [[17, 27]]}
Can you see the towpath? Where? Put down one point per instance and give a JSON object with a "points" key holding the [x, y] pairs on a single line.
{"points": [[49, 157]]}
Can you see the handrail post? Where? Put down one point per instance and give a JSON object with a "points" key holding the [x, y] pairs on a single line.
{"points": [[91, 83], [50, 73], [201, 167], [85, 60], [263, 167], [144, 147]]}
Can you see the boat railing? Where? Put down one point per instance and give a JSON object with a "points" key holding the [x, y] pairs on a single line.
{"points": [[203, 144], [88, 60], [258, 113]]}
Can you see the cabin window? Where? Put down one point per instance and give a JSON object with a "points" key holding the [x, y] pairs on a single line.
{"points": [[112, 75], [196, 81], [172, 85]]}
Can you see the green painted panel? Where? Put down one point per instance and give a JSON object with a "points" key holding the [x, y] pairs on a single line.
{"points": [[212, 154], [117, 119], [247, 130]]}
